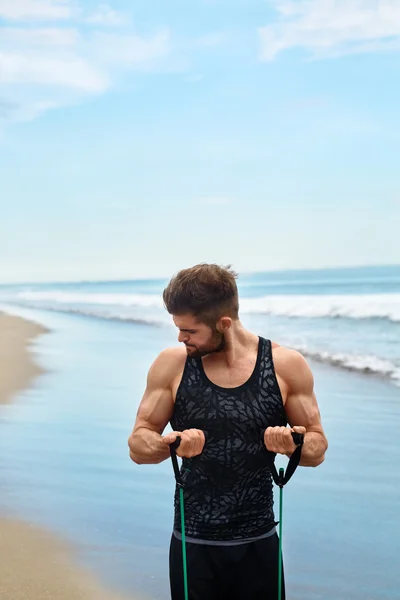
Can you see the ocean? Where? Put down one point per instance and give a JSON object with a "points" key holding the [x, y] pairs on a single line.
{"points": [[64, 460], [346, 317]]}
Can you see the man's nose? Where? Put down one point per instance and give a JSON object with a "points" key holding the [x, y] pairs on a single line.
{"points": [[182, 337]]}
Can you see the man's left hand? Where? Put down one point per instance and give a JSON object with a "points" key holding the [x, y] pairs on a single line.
{"points": [[279, 439]]}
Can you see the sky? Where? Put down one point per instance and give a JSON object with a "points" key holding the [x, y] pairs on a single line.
{"points": [[139, 137]]}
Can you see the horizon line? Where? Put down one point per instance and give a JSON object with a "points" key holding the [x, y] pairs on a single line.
{"points": [[242, 273]]}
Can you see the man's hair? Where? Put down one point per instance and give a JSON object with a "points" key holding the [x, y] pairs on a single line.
{"points": [[206, 291]]}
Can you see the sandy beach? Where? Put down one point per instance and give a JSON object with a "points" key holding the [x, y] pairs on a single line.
{"points": [[17, 366], [34, 564]]}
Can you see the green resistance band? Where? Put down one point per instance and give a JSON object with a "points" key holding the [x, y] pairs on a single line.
{"points": [[181, 484], [281, 480]]}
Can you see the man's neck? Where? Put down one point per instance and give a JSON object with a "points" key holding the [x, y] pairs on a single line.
{"points": [[239, 343]]}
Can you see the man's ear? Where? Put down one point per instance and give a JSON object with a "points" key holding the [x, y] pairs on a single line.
{"points": [[224, 324]]}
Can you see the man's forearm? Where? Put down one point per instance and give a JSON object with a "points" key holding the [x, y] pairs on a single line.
{"points": [[313, 451], [146, 447]]}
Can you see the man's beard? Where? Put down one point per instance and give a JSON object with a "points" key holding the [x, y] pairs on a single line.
{"points": [[217, 344]]}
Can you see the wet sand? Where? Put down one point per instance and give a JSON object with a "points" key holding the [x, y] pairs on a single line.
{"points": [[37, 566], [17, 366], [34, 565]]}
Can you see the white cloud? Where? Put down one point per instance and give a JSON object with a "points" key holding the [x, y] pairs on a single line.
{"points": [[123, 50], [42, 68], [105, 15], [28, 39], [37, 9], [332, 27], [66, 71]]}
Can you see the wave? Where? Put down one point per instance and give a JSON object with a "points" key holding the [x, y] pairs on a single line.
{"points": [[110, 316], [365, 306], [363, 363], [58, 297], [106, 315]]}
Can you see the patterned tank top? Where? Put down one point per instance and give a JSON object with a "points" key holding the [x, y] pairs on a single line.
{"points": [[228, 494]]}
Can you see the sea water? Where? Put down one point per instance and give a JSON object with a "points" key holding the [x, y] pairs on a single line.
{"points": [[348, 317]]}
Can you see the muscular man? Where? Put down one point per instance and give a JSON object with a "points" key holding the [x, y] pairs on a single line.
{"points": [[230, 396]]}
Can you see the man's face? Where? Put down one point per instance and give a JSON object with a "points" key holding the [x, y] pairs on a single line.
{"points": [[199, 339]]}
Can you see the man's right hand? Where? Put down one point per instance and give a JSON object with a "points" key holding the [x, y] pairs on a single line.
{"points": [[192, 442]]}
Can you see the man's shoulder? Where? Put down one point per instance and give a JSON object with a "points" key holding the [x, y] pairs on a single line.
{"points": [[290, 364], [285, 354], [173, 354], [167, 365], [170, 358]]}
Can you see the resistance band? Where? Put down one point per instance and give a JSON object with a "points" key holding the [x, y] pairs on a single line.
{"points": [[280, 479]]}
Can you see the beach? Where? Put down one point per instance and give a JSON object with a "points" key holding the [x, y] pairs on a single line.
{"points": [[64, 460], [18, 369], [35, 564]]}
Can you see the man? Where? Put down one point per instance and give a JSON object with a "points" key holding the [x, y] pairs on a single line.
{"points": [[229, 395]]}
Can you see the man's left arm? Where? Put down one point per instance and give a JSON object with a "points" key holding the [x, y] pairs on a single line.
{"points": [[302, 412]]}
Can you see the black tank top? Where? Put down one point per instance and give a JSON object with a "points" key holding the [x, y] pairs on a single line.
{"points": [[228, 494]]}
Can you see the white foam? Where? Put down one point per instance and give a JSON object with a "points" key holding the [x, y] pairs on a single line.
{"points": [[365, 363], [366, 306], [61, 297], [109, 315], [115, 316], [131, 308]]}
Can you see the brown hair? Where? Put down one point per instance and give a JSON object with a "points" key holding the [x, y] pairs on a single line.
{"points": [[206, 291]]}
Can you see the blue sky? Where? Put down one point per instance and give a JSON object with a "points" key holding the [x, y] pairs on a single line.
{"points": [[140, 137]]}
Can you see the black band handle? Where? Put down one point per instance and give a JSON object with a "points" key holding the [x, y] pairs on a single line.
{"points": [[298, 438], [282, 478], [175, 445], [181, 477], [172, 450]]}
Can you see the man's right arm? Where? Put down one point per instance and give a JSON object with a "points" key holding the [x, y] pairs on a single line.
{"points": [[146, 444]]}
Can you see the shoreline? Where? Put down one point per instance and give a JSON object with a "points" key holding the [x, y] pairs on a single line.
{"points": [[17, 362], [365, 364], [35, 563]]}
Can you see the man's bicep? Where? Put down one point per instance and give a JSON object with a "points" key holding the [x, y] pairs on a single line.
{"points": [[155, 410], [302, 409], [301, 404], [157, 405]]}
